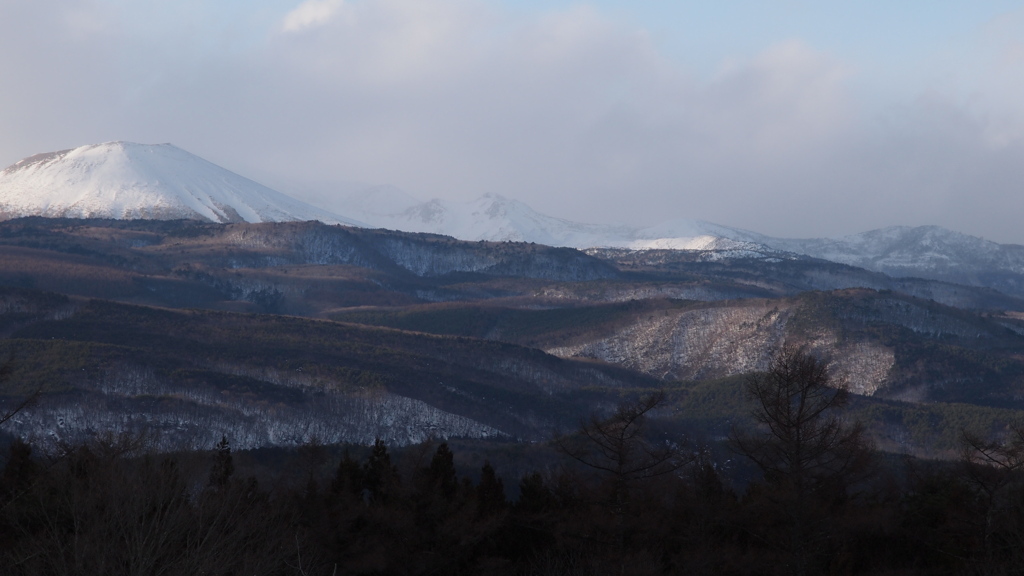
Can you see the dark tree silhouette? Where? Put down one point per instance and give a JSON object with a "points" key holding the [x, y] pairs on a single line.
{"points": [[5, 374], [807, 452], [380, 476], [804, 445], [348, 479], [440, 475], [534, 495], [617, 447], [223, 465], [19, 472], [995, 468], [490, 493]]}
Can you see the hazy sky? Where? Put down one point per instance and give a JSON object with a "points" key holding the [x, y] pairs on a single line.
{"points": [[791, 118]]}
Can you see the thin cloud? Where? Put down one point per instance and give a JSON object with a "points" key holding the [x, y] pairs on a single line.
{"points": [[571, 110], [310, 14]]}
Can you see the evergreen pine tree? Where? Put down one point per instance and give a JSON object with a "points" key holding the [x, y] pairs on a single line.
{"points": [[223, 466], [441, 472], [490, 493], [380, 477]]}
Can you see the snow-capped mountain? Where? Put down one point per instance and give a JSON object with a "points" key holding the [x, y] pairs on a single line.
{"points": [[127, 180], [924, 251], [927, 251], [495, 218], [905, 248]]}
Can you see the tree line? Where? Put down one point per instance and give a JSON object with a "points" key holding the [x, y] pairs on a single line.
{"points": [[623, 500]]}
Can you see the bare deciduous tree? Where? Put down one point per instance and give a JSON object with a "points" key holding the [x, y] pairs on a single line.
{"points": [[809, 455], [618, 447], [995, 467], [803, 445], [5, 374]]}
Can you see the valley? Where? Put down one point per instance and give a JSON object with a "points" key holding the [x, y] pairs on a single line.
{"points": [[506, 288], [275, 333]]}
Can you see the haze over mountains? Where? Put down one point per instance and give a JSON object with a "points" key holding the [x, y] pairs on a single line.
{"points": [[135, 269], [123, 180], [902, 251]]}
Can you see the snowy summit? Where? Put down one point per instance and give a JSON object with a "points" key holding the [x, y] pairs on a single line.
{"points": [[124, 180]]}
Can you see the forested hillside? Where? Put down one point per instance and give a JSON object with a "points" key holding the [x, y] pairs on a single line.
{"points": [[277, 333]]}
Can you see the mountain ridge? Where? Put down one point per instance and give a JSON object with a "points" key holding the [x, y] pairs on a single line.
{"points": [[930, 252], [123, 180]]}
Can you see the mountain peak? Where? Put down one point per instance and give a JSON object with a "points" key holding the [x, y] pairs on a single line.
{"points": [[126, 180]]}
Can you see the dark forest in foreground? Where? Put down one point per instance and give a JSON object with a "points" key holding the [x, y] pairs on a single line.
{"points": [[610, 498]]}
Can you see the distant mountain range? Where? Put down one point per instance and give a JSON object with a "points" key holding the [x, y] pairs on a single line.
{"points": [[498, 219], [123, 180], [901, 251], [148, 291]]}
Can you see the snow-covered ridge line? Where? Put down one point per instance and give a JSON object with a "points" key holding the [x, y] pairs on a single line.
{"points": [[495, 218], [901, 251], [125, 180]]}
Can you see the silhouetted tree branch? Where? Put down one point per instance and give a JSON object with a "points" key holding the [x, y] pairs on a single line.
{"points": [[809, 455], [996, 469], [617, 447], [804, 444], [5, 373]]}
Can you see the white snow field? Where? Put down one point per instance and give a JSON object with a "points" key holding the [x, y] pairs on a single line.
{"points": [[124, 180]]}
